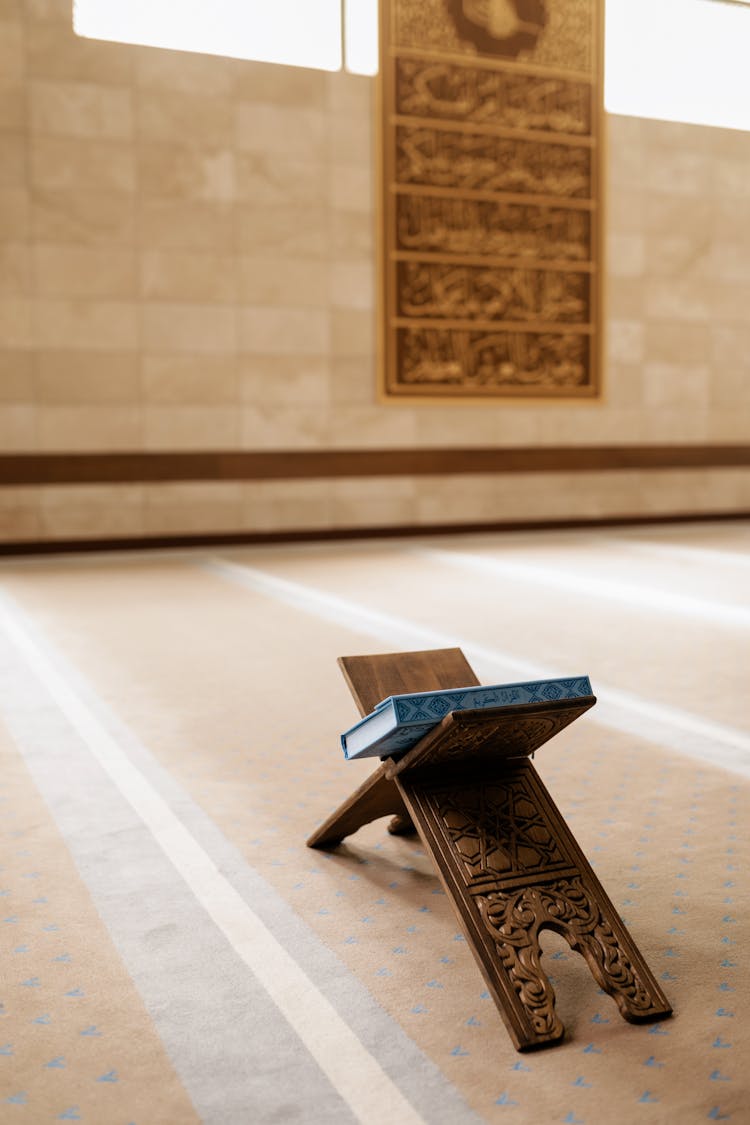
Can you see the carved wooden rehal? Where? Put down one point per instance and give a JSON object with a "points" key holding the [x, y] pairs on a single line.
{"points": [[490, 118], [509, 863]]}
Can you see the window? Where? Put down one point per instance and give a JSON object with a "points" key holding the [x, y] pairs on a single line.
{"points": [[296, 32], [679, 60]]}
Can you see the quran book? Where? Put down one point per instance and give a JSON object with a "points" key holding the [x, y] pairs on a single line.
{"points": [[398, 722]]}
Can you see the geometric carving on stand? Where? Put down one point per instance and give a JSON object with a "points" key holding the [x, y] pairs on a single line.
{"points": [[496, 830], [511, 866]]}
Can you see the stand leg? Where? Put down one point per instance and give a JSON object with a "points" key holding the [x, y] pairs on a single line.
{"points": [[377, 797], [512, 868], [617, 965], [567, 906]]}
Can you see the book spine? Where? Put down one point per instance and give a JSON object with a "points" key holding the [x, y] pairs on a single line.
{"points": [[397, 741]]}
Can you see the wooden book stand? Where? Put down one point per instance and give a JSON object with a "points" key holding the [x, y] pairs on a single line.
{"points": [[508, 861]]}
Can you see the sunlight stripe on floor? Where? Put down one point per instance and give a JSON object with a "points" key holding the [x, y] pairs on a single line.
{"points": [[354, 1073], [676, 551], [589, 586], [679, 730]]}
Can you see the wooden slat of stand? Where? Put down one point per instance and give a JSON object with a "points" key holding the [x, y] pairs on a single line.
{"points": [[372, 678], [378, 796], [508, 861]]}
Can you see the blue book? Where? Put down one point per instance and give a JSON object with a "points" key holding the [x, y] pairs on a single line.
{"points": [[398, 722]]}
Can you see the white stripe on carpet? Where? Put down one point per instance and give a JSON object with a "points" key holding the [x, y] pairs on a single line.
{"points": [[588, 585], [355, 1074], [676, 551], [682, 731]]}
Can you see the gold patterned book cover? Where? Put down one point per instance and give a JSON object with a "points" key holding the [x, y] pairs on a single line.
{"points": [[490, 145]]}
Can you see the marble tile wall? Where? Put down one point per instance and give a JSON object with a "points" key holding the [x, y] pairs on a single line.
{"points": [[187, 263]]}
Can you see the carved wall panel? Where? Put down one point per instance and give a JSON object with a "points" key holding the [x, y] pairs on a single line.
{"points": [[490, 126]]}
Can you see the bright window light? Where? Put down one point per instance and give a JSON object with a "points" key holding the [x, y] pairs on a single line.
{"points": [[679, 60], [361, 36], [296, 32]]}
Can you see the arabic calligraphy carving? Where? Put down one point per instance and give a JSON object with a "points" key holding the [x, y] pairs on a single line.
{"points": [[477, 162], [490, 359], [443, 90], [434, 289], [503, 230], [468, 136]]}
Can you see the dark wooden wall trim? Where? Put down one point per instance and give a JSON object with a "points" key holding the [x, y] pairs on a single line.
{"points": [[129, 468], [251, 538]]}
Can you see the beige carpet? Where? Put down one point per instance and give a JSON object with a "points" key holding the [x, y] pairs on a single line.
{"points": [[173, 952]]}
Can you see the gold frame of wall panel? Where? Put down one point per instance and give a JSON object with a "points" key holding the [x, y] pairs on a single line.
{"points": [[585, 383]]}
